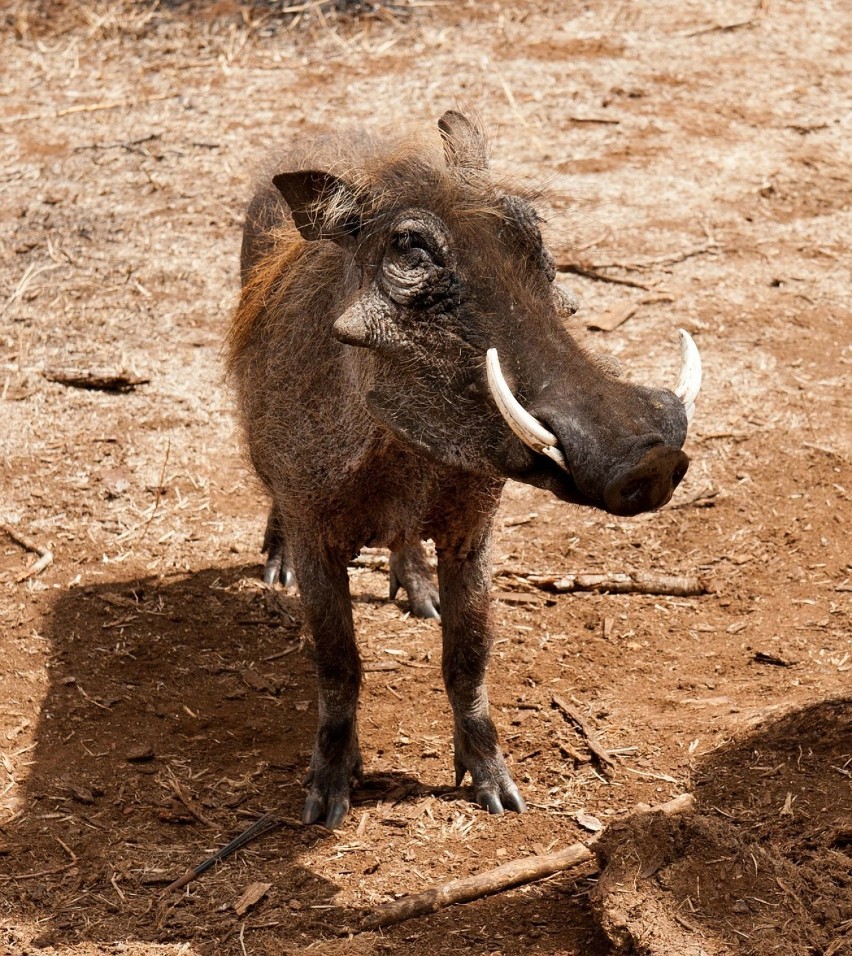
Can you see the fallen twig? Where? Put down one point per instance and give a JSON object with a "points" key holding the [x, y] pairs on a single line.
{"points": [[45, 554], [602, 120], [128, 144], [180, 792], [590, 272], [636, 582], [506, 877], [586, 730], [722, 27], [668, 259], [85, 108], [702, 498], [98, 381], [52, 871]]}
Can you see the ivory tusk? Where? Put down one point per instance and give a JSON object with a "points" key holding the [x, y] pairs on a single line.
{"points": [[527, 427], [689, 384]]}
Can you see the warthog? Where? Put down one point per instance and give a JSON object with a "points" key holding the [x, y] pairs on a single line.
{"points": [[398, 352]]}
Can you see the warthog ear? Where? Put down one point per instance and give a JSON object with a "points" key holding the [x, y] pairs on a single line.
{"points": [[464, 144], [322, 205]]}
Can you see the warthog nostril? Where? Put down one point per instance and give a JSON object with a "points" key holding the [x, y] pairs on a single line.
{"points": [[678, 473], [648, 484]]}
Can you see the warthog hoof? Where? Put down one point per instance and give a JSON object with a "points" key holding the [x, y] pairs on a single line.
{"points": [[329, 787], [494, 790], [409, 569]]}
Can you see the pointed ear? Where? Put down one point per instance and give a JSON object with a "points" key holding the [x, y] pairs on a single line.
{"points": [[464, 142], [322, 206]]}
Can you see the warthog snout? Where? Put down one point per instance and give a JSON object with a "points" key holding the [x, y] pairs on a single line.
{"points": [[649, 484]]}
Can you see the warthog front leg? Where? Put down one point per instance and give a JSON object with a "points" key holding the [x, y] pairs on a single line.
{"points": [[336, 760], [465, 584], [410, 569]]}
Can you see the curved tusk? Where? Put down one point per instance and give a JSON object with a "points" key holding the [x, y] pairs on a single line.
{"points": [[689, 384], [527, 427], [554, 454]]}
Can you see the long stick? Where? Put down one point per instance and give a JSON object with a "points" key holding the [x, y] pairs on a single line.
{"points": [[590, 272], [85, 108], [503, 877], [637, 582]]}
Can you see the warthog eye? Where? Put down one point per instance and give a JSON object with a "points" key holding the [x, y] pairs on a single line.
{"points": [[417, 247], [416, 266]]}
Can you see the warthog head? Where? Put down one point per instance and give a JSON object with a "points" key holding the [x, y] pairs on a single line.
{"points": [[466, 357]]}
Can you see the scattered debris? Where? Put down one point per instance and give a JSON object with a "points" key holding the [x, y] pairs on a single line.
{"points": [[505, 877], [180, 792], [585, 729]]}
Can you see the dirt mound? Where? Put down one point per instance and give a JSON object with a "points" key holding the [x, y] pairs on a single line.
{"points": [[764, 864]]}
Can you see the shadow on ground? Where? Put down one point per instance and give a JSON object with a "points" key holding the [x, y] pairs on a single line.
{"points": [[178, 712]]}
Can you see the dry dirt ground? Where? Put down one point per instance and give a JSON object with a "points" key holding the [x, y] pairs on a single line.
{"points": [[155, 698]]}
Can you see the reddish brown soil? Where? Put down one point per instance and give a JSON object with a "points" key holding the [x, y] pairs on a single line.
{"points": [[154, 698]]}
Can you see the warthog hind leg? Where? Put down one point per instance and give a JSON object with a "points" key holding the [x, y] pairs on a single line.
{"points": [[279, 561], [409, 568]]}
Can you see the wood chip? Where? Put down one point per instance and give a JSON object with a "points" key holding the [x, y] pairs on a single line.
{"points": [[370, 666], [516, 597], [253, 894], [761, 658], [588, 822], [608, 321]]}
